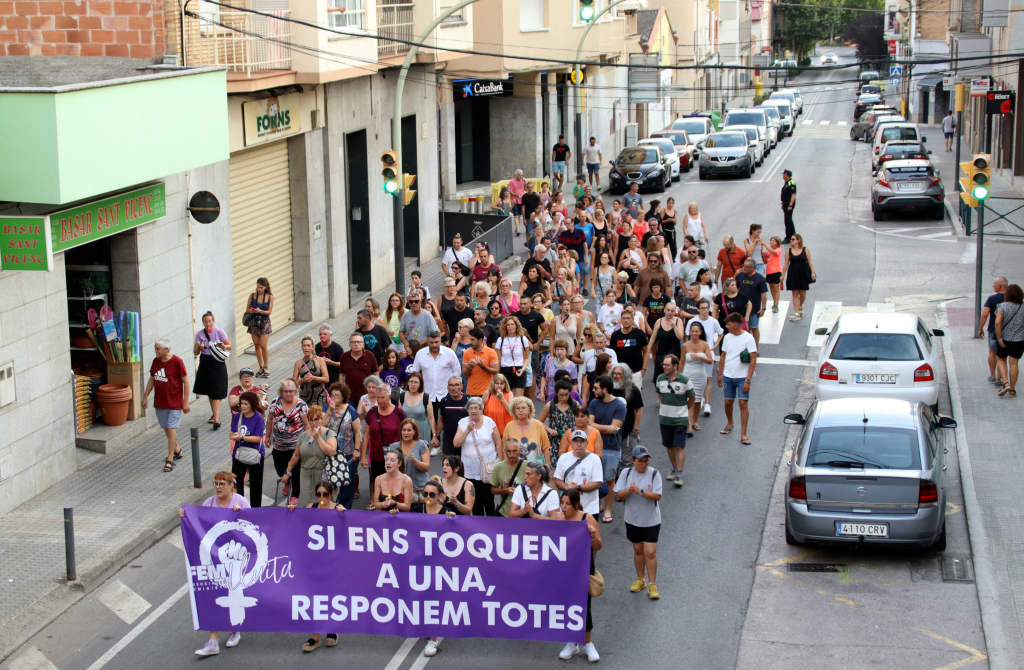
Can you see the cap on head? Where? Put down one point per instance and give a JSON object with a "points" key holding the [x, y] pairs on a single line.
{"points": [[579, 435], [640, 451], [246, 371], [787, 172]]}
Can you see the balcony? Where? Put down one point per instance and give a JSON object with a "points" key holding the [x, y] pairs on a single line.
{"points": [[394, 21], [243, 42]]}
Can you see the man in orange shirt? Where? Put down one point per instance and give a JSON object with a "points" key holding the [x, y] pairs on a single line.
{"points": [[479, 364], [730, 259]]}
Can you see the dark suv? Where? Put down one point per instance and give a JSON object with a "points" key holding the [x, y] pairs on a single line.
{"points": [[646, 166]]}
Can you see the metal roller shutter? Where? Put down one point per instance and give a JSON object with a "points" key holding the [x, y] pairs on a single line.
{"points": [[261, 230]]}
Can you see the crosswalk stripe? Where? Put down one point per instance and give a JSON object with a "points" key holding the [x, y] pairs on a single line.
{"points": [[174, 539], [31, 659], [824, 315], [825, 123], [841, 123], [771, 325], [784, 361], [122, 601], [924, 237], [807, 122]]}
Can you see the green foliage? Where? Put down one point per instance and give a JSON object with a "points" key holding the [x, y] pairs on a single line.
{"points": [[817, 20]]}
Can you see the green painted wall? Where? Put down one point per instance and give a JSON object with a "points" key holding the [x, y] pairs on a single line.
{"points": [[102, 139]]}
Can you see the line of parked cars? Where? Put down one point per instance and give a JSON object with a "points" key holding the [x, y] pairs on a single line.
{"points": [[869, 466], [905, 180]]}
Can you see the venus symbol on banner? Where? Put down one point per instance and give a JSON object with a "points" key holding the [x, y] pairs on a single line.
{"points": [[234, 557]]}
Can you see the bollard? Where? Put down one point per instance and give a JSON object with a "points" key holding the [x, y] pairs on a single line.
{"points": [[197, 471], [69, 543], [463, 204]]}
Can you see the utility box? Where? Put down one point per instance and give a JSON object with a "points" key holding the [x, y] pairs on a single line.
{"points": [[630, 134]]}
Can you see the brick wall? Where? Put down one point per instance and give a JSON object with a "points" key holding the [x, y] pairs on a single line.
{"points": [[82, 28]]}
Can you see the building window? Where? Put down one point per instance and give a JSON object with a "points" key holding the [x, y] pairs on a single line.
{"points": [[353, 16], [531, 15], [457, 17]]}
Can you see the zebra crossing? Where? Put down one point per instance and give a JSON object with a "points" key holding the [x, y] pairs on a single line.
{"points": [[822, 129]]}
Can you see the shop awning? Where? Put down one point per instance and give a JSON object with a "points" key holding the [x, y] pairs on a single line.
{"points": [[929, 82]]}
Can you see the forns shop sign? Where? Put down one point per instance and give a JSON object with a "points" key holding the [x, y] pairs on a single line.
{"points": [[482, 88], [269, 119]]}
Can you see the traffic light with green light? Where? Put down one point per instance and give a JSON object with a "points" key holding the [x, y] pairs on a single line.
{"points": [[390, 172], [586, 10], [981, 176]]}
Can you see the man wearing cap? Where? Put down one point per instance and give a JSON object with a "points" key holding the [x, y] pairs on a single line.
{"points": [[675, 397], [788, 202], [581, 470], [639, 487]]}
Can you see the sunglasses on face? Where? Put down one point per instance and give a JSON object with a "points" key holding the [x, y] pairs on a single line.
{"points": [[414, 302], [430, 495], [323, 494]]}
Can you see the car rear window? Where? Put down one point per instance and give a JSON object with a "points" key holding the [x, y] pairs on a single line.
{"points": [[868, 75], [876, 347], [772, 112], [871, 88], [903, 150], [665, 144], [890, 134], [745, 119], [910, 171], [736, 139], [875, 447], [699, 127], [676, 138], [637, 155]]}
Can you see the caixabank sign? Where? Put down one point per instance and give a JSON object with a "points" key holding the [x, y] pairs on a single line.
{"points": [[468, 89]]}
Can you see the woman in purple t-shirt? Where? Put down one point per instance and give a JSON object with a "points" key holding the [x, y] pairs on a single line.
{"points": [[247, 430]]}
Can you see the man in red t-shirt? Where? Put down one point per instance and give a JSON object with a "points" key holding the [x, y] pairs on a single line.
{"points": [[168, 381], [730, 259], [356, 365]]}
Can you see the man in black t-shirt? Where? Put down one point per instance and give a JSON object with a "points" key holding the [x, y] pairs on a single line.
{"points": [[451, 410], [630, 346], [535, 327], [655, 302], [331, 353], [453, 315], [755, 289], [375, 336], [560, 156], [530, 200], [689, 304], [480, 320]]}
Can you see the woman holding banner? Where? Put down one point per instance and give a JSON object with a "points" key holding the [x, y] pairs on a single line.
{"points": [[573, 511], [392, 491], [534, 498], [324, 494], [433, 493], [459, 493]]}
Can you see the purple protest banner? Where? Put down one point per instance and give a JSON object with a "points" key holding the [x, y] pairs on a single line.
{"points": [[414, 575]]}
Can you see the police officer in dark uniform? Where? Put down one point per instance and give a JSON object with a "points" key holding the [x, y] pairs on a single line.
{"points": [[788, 202]]}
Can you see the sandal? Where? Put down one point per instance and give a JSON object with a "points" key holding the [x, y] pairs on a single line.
{"points": [[1003, 391], [689, 433], [168, 465], [216, 425], [332, 639], [745, 441], [311, 645], [606, 519], [1012, 393], [177, 455], [211, 419], [726, 430], [696, 427]]}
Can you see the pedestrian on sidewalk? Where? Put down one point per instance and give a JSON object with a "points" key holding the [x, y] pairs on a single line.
{"points": [[735, 370], [1010, 335], [212, 373], [287, 420], [225, 497], [798, 271], [949, 129], [455, 253], [788, 202], [330, 352], [571, 510], [754, 288], [376, 338], [261, 304], [311, 373], [168, 382], [639, 487], [675, 398], [248, 428], [988, 313]]}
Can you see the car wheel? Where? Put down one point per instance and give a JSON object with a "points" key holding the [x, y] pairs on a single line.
{"points": [[789, 536], [878, 215], [940, 214], [687, 168], [940, 544], [661, 185], [750, 171], [701, 175]]}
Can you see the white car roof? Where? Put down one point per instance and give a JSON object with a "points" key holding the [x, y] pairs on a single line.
{"points": [[744, 125], [889, 412], [777, 102], [878, 322], [656, 142]]}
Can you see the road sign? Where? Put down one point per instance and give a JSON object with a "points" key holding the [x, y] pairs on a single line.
{"points": [[895, 70], [950, 82], [999, 102], [979, 87], [895, 82], [576, 76]]}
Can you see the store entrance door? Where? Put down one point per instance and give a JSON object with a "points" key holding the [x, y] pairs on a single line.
{"points": [[472, 140], [358, 210], [412, 210]]}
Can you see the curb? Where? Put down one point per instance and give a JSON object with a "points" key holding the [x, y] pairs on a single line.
{"points": [[958, 230], [64, 595], [999, 655]]}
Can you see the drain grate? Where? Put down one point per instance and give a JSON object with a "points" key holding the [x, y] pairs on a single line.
{"points": [[816, 567], [957, 569]]}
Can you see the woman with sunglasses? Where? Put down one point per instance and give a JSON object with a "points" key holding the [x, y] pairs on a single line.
{"points": [[460, 274], [434, 503], [392, 491], [571, 510], [224, 497], [479, 439], [324, 493], [314, 448]]}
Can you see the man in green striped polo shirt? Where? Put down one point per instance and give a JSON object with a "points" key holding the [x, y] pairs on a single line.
{"points": [[675, 397]]}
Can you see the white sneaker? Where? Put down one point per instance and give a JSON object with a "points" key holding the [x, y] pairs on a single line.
{"points": [[592, 654], [707, 409], [568, 651], [671, 476], [435, 451], [211, 648], [233, 639], [431, 648]]}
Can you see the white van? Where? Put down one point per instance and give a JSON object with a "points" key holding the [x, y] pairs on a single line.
{"points": [[888, 132], [785, 108]]}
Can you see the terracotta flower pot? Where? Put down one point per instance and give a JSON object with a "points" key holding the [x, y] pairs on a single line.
{"points": [[114, 413]]}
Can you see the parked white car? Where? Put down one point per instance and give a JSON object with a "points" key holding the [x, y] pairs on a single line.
{"points": [[879, 355], [667, 148], [758, 141]]}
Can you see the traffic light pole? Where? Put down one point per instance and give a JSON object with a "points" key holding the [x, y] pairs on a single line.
{"points": [[396, 142], [977, 266], [578, 126]]}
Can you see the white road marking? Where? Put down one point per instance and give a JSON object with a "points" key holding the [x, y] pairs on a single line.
{"points": [[31, 659], [909, 237], [807, 122], [422, 661], [841, 123], [903, 230], [396, 661], [824, 315], [970, 254], [825, 123], [771, 325], [926, 237], [880, 307], [122, 601], [174, 539], [784, 361], [138, 630], [770, 174]]}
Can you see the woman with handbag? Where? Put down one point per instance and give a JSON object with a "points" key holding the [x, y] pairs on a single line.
{"points": [[311, 373], [315, 446], [257, 321], [247, 451], [287, 419], [798, 273], [479, 440], [1010, 338], [572, 511], [415, 452], [212, 346], [382, 429], [343, 419]]}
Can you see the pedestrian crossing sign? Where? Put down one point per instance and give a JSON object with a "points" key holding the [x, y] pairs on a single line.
{"points": [[895, 70]]}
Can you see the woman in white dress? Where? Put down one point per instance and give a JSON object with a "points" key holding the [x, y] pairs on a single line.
{"points": [[694, 225], [696, 355]]}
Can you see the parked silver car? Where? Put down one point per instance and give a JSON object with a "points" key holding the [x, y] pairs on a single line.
{"points": [[868, 471], [908, 186], [727, 152]]}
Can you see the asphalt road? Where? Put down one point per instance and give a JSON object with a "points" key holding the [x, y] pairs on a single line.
{"points": [[722, 605]]}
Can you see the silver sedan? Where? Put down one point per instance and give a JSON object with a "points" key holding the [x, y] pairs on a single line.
{"points": [[868, 471], [908, 186]]}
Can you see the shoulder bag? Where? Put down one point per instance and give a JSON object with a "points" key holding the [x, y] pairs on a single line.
{"points": [[244, 453], [336, 468], [486, 467], [219, 354], [596, 584], [512, 481]]}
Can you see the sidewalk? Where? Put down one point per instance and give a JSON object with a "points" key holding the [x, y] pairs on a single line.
{"points": [[123, 503], [989, 440]]}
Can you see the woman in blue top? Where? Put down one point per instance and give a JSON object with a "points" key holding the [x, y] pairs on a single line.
{"points": [[261, 304]]}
